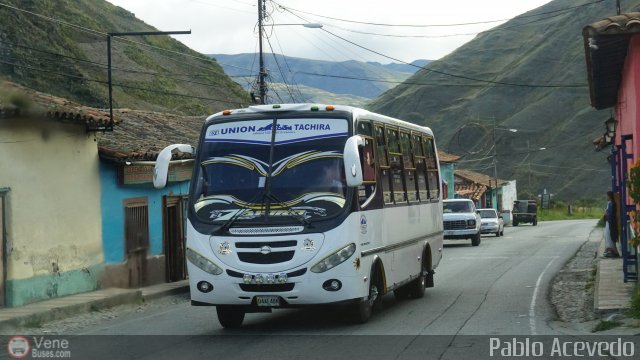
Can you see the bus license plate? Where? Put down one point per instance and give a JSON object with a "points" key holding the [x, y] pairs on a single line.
{"points": [[272, 301]]}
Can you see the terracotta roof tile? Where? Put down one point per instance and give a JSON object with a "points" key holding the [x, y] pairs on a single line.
{"points": [[478, 178], [606, 43], [143, 134], [20, 101], [446, 157]]}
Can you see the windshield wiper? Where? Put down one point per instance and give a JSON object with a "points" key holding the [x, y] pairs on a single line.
{"points": [[293, 214], [227, 224]]}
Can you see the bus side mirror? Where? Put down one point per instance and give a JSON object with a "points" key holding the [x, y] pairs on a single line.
{"points": [[161, 169], [352, 167]]}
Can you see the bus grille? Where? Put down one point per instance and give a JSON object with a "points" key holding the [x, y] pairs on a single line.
{"points": [[276, 251], [271, 258], [267, 230], [267, 287], [455, 225]]}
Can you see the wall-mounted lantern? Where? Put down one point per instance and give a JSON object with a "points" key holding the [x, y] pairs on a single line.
{"points": [[610, 125]]}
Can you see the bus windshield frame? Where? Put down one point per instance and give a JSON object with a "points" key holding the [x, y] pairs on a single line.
{"points": [[261, 169]]}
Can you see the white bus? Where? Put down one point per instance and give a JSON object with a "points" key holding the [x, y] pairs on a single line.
{"points": [[300, 204]]}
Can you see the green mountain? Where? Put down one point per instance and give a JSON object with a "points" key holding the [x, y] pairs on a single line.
{"points": [[60, 47], [529, 75], [299, 77]]}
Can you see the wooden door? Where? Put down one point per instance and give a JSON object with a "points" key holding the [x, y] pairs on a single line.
{"points": [[174, 237], [137, 239]]}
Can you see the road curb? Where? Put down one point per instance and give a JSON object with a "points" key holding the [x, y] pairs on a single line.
{"points": [[44, 313]]}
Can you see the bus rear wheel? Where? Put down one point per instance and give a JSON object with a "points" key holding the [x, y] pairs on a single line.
{"points": [[417, 287], [230, 316]]}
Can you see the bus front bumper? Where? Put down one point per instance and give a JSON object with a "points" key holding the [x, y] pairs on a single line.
{"points": [[307, 289]]}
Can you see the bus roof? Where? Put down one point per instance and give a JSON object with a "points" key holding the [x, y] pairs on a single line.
{"points": [[357, 113]]}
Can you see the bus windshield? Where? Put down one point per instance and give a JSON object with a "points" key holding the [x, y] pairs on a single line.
{"points": [[237, 178]]}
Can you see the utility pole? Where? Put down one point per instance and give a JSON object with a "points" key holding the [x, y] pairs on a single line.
{"points": [[618, 6], [495, 163], [262, 87]]}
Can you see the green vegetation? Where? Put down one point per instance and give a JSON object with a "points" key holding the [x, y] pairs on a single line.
{"points": [[606, 325], [634, 309], [70, 62], [563, 214], [547, 52], [579, 209]]}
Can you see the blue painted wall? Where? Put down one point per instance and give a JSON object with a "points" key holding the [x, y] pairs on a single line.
{"points": [[446, 171], [112, 200]]}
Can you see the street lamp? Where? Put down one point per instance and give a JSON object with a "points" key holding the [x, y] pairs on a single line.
{"points": [[135, 33]]}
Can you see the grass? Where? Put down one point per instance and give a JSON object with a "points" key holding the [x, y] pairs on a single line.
{"points": [[606, 325], [634, 308], [563, 213]]}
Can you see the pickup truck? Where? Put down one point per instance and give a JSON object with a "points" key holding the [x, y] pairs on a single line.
{"points": [[461, 220]]}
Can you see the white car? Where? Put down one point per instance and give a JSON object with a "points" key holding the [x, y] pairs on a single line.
{"points": [[461, 220], [490, 222]]}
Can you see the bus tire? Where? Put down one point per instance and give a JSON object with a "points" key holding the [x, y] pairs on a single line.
{"points": [[230, 317], [364, 308], [475, 240], [417, 287]]}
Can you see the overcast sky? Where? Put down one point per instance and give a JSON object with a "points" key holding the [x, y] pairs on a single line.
{"points": [[229, 26]]}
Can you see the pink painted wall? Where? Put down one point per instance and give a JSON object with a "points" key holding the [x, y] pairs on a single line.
{"points": [[629, 97]]}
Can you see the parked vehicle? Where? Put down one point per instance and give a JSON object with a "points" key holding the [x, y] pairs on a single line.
{"points": [[461, 220], [525, 211], [490, 222]]}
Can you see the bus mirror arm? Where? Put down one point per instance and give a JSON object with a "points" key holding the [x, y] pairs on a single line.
{"points": [[352, 165], [161, 168]]}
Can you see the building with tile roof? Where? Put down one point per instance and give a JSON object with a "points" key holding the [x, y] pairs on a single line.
{"points": [[612, 54], [50, 215]]}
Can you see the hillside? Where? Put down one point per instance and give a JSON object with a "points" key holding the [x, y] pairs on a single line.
{"points": [[60, 47], [311, 74], [543, 56]]}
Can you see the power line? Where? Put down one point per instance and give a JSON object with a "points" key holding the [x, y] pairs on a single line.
{"points": [[435, 25], [82, 78]]}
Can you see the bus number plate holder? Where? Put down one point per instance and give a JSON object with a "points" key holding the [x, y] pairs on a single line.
{"points": [[270, 301]]}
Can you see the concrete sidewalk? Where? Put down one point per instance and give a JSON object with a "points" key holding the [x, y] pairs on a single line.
{"points": [[59, 308], [611, 294]]}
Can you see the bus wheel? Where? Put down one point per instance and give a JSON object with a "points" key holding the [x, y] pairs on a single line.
{"points": [[417, 287], [230, 316], [364, 308]]}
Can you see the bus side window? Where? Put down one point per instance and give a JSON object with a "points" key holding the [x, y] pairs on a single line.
{"points": [[367, 157], [383, 164], [395, 162], [432, 168], [421, 168], [409, 167]]}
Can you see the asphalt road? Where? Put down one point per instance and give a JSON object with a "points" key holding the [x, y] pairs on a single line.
{"points": [[498, 288]]}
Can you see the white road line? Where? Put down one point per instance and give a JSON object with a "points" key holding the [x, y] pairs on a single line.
{"points": [[532, 307]]}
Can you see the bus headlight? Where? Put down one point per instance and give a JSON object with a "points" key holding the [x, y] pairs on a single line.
{"points": [[203, 263], [334, 259]]}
